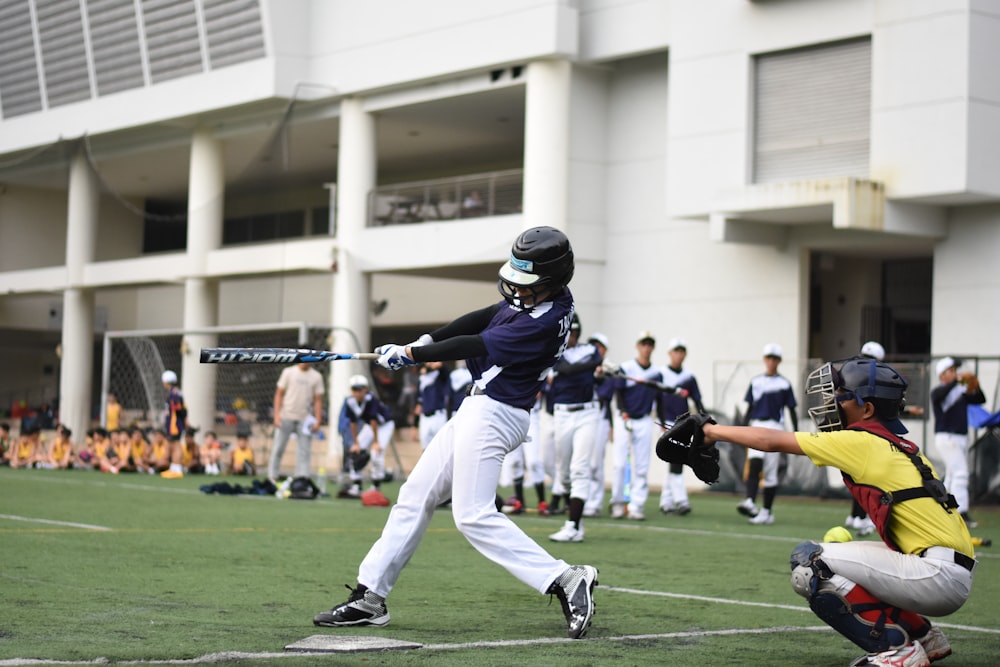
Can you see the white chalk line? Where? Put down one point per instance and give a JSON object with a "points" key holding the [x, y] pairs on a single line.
{"points": [[52, 522]]}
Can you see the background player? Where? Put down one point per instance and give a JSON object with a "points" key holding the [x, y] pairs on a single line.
{"points": [[175, 422], [767, 397], [508, 348], [670, 405]]}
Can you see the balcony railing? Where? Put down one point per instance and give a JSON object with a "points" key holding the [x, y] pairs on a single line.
{"points": [[457, 198]]}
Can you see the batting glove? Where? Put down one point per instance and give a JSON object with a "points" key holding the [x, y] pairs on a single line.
{"points": [[393, 357]]}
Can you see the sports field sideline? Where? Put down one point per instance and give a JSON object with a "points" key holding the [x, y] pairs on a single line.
{"points": [[99, 568]]}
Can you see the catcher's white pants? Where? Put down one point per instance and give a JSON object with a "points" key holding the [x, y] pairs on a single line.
{"points": [[595, 501], [575, 434], [932, 586], [633, 438], [429, 425], [952, 448], [462, 463], [365, 439], [772, 460]]}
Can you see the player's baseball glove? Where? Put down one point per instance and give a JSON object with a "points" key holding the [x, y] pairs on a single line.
{"points": [[684, 442], [970, 381], [360, 459]]}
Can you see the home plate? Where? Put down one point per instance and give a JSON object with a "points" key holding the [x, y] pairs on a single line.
{"points": [[342, 644]]}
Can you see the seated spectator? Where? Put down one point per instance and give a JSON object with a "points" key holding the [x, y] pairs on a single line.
{"points": [[473, 205], [211, 453], [25, 453], [116, 448], [191, 452], [5, 444], [159, 451], [241, 460], [59, 453], [102, 445], [84, 458], [123, 450], [139, 451]]}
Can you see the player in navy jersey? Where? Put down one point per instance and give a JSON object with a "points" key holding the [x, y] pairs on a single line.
{"points": [[509, 348], [674, 496], [577, 413], [635, 394], [604, 388], [767, 397], [433, 394]]}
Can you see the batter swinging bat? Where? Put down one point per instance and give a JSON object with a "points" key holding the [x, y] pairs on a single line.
{"points": [[274, 355]]}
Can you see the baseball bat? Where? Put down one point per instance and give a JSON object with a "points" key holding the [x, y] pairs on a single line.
{"points": [[275, 355]]}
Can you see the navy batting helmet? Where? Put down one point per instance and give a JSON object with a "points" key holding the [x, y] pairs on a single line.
{"points": [[541, 260]]}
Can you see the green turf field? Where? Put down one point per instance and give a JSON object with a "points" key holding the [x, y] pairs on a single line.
{"points": [[137, 568]]}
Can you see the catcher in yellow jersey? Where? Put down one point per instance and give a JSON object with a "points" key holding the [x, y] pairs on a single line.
{"points": [[875, 593]]}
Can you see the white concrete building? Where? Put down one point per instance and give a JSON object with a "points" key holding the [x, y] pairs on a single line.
{"points": [[733, 172]]}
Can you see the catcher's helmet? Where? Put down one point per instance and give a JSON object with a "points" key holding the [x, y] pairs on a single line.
{"points": [[863, 380], [541, 259]]}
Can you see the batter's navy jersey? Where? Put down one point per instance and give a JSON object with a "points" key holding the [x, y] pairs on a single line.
{"points": [[573, 382], [521, 347], [434, 388], [671, 406], [768, 395], [637, 399]]}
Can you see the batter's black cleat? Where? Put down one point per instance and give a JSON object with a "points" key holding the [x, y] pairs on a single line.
{"points": [[575, 590], [363, 608]]}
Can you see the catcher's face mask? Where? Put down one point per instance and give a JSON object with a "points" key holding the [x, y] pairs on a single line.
{"points": [[822, 385]]}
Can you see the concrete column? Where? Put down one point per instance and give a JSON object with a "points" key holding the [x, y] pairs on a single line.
{"points": [[77, 359], [546, 144], [356, 165], [206, 194]]}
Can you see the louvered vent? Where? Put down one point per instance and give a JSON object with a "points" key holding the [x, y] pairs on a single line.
{"points": [[813, 113], [128, 49], [19, 87], [234, 31], [172, 42], [114, 40]]}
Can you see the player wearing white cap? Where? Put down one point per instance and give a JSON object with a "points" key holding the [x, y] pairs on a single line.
{"points": [[635, 393], [767, 397], [604, 389], [509, 347], [674, 496], [950, 400]]}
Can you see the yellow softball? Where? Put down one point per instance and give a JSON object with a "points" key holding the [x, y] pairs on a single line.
{"points": [[837, 534]]}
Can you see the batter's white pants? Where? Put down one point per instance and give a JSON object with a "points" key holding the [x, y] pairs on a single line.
{"points": [[595, 501], [932, 586], [575, 435], [636, 440], [952, 448], [462, 463], [772, 460]]}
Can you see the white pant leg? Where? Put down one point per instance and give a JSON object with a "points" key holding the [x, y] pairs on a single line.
{"points": [[565, 424], [429, 426], [547, 446], [923, 585], [677, 488], [584, 431], [642, 439], [488, 433], [953, 447], [532, 454], [303, 453], [596, 498], [620, 447], [513, 467]]}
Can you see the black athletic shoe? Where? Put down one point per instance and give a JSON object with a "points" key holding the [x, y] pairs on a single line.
{"points": [[575, 590], [362, 608]]}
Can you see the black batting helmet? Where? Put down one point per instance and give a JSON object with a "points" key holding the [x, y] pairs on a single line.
{"points": [[541, 259]]}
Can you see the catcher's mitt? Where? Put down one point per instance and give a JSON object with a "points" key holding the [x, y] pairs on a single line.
{"points": [[684, 442], [970, 381]]}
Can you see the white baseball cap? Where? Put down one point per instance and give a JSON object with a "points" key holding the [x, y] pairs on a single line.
{"points": [[676, 343], [169, 377], [358, 382], [874, 350], [773, 350], [645, 335], [945, 364], [599, 338]]}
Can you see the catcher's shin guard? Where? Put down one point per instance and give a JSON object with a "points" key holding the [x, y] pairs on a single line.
{"points": [[872, 625]]}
